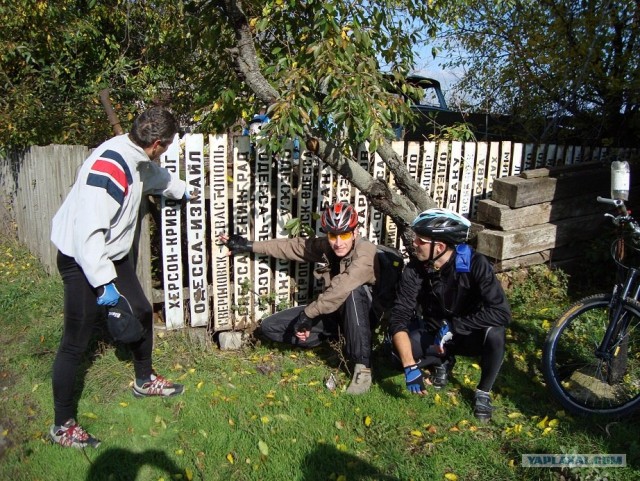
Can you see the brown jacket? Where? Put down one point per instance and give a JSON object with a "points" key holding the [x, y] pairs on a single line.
{"points": [[350, 272]]}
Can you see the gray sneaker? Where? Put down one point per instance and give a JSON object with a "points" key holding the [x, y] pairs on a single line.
{"points": [[441, 373], [361, 381], [483, 407], [71, 435], [157, 386]]}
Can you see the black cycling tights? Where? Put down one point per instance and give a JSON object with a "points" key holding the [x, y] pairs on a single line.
{"points": [[488, 343], [81, 314], [354, 319]]}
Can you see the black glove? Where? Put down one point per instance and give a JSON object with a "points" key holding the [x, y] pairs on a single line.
{"points": [[238, 243], [303, 322]]}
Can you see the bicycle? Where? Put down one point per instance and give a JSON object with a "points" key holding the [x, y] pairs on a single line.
{"points": [[591, 356]]}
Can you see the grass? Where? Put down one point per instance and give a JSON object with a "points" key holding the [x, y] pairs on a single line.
{"points": [[264, 413]]}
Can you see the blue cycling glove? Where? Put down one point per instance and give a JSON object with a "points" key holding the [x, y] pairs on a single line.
{"points": [[414, 378], [110, 295]]}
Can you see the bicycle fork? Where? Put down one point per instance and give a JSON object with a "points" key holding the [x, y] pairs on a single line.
{"points": [[618, 322]]}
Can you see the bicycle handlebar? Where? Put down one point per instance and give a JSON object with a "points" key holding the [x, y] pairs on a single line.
{"points": [[624, 218]]}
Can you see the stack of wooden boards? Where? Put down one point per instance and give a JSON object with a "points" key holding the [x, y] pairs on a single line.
{"points": [[542, 215]]}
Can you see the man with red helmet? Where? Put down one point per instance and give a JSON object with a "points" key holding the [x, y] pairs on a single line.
{"points": [[350, 270]]}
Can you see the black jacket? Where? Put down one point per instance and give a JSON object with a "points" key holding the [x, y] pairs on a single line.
{"points": [[467, 301]]}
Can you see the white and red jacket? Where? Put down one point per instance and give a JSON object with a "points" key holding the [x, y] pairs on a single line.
{"points": [[97, 221]]}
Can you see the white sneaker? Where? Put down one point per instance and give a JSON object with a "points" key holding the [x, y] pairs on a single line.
{"points": [[361, 381]]}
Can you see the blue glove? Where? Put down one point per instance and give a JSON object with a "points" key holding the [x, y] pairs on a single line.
{"points": [[194, 194], [443, 336], [414, 378], [110, 295]]}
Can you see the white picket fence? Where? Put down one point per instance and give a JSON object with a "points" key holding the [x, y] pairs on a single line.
{"points": [[257, 193]]}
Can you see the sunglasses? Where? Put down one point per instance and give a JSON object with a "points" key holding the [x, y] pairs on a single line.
{"points": [[345, 236], [420, 241]]}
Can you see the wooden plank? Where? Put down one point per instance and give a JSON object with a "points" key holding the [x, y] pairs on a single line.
{"points": [[466, 190], [219, 208], [520, 192], [492, 167], [517, 159], [196, 232], [376, 218], [528, 240], [440, 180], [503, 217], [479, 182], [171, 218], [453, 181], [262, 220], [428, 160], [284, 207], [240, 225], [304, 213]]}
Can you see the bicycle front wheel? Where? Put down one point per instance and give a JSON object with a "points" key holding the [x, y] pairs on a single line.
{"points": [[586, 383]]}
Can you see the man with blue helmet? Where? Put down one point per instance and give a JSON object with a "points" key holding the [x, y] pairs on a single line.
{"points": [[461, 307]]}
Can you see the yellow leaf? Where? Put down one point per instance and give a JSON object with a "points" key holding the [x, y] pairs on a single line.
{"points": [[367, 421], [451, 477], [123, 404], [512, 463], [547, 431], [230, 458], [192, 370], [475, 366], [264, 419], [543, 424], [554, 423], [514, 415], [90, 416], [35, 387], [546, 325], [437, 399], [341, 447], [416, 433], [179, 452], [200, 384], [188, 473], [263, 448]]}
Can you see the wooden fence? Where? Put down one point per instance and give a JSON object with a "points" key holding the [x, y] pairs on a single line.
{"points": [[255, 193]]}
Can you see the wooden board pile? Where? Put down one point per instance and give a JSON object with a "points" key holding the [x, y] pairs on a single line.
{"points": [[542, 215]]}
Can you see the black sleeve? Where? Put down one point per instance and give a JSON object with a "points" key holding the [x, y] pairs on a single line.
{"points": [[494, 309], [406, 299]]}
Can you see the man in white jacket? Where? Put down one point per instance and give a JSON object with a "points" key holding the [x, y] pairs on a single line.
{"points": [[94, 232]]}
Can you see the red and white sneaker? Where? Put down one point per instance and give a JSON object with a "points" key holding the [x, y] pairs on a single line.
{"points": [[71, 435], [158, 386]]}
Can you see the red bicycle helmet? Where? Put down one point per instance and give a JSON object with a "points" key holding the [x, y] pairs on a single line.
{"points": [[338, 218]]}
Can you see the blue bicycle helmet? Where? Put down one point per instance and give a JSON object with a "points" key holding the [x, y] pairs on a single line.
{"points": [[442, 225]]}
